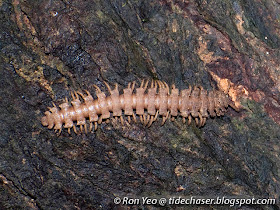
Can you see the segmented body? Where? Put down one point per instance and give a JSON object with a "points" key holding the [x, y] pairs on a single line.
{"points": [[149, 103]]}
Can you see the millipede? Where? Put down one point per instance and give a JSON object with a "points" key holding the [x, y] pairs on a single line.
{"points": [[152, 100]]}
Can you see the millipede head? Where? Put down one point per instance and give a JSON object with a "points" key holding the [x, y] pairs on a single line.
{"points": [[47, 120], [44, 121]]}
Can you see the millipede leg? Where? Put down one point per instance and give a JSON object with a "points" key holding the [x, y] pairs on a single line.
{"points": [[141, 119], [87, 92], [85, 125], [76, 95], [155, 84], [203, 121], [72, 95], [53, 104], [108, 86], [151, 121], [189, 119], [81, 128], [69, 131], [58, 131], [156, 116], [133, 85], [121, 117], [184, 120], [90, 126], [166, 86], [95, 125], [148, 119], [146, 85], [190, 88], [165, 118], [134, 117], [100, 120], [159, 84], [81, 94], [75, 129], [196, 121], [128, 118], [142, 83], [200, 119], [97, 88], [144, 119]]}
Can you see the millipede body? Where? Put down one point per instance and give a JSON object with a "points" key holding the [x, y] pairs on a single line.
{"points": [[153, 99]]}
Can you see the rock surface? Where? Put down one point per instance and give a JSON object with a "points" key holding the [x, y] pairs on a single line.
{"points": [[49, 48]]}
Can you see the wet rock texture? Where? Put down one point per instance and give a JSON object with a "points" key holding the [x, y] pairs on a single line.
{"points": [[51, 47]]}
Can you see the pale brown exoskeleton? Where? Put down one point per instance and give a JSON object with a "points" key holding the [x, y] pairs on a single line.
{"points": [[148, 102]]}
